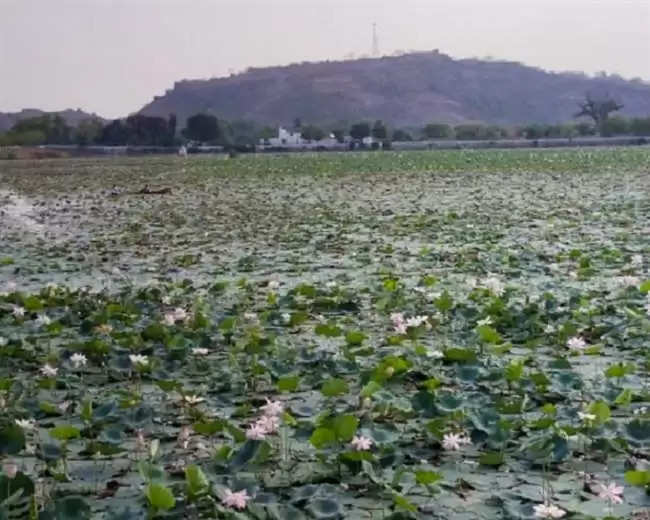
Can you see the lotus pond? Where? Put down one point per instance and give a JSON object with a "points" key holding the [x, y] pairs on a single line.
{"points": [[425, 335]]}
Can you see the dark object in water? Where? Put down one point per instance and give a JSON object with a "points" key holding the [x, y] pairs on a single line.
{"points": [[148, 191]]}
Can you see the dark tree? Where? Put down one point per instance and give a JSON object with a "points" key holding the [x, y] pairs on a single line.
{"points": [[312, 133], [438, 131], [297, 123], [53, 127], [598, 109], [640, 126], [267, 133], [88, 131], [402, 135], [114, 133], [379, 130], [339, 135], [171, 128], [469, 132], [615, 125], [202, 127], [147, 130], [360, 130]]}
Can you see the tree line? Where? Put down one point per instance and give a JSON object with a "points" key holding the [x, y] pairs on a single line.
{"points": [[142, 130]]}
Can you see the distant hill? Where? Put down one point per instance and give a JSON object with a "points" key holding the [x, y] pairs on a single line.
{"points": [[71, 117], [412, 89]]}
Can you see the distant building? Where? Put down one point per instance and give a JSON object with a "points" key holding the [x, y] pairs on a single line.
{"points": [[284, 138]]}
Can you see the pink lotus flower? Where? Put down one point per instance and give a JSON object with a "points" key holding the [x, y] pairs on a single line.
{"points": [[576, 343], [398, 322], [180, 314], [236, 500], [548, 511], [184, 437], [10, 470], [256, 432], [272, 408], [361, 443], [611, 492], [268, 423]]}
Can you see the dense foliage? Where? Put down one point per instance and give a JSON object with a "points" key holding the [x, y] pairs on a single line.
{"points": [[455, 334]]}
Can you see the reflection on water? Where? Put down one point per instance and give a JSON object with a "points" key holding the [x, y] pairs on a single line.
{"points": [[18, 212]]}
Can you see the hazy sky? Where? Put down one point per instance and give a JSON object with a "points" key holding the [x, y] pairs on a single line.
{"points": [[113, 56]]}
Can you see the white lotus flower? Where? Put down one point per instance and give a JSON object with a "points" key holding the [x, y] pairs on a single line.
{"points": [[454, 441], [43, 320], [139, 360], [48, 371], [274, 285], [484, 321], [78, 360], [628, 281], [434, 353], [26, 424], [586, 417], [193, 399], [495, 285], [169, 319], [18, 312], [416, 321]]}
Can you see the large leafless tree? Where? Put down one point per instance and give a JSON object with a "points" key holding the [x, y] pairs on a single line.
{"points": [[598, 109]]}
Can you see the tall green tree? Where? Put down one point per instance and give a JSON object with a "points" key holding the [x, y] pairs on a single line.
{"points": [[312, 133], [202, 127], [379, 130], [438, 131], [88, 131], [402, 135], [360, 130]]}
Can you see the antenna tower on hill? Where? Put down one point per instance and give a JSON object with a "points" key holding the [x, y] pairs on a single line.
{"points": [[375, 41]]}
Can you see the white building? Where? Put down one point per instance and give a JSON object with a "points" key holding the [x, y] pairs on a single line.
{"points": [[285, 138]]}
